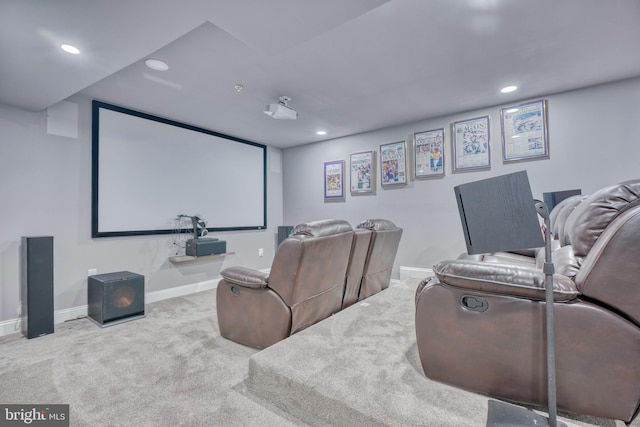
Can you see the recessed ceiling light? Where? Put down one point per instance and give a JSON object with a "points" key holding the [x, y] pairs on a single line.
{"points": [[70, 49], [508, 89], [321, 132], [156, 64]]}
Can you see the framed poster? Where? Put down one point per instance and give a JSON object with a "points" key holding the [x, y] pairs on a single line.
{"points": [[428, 153], [334, 180], [362, 168], [393, 163], [471, 145], [524, 132]]}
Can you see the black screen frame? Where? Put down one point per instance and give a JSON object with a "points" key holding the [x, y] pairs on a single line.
{"points": [[95, 163]]}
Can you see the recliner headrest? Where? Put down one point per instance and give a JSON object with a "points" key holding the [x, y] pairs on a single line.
{"points": [[325, 227], [377, 225], [589, 219]]}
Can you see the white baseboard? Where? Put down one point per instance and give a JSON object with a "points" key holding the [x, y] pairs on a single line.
{"points": [[8, 327], [419, 272], [180, 291], [12, 326], [72, 313]]}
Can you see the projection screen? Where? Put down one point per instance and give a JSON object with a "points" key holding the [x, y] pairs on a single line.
{"points": [[147, 170]]}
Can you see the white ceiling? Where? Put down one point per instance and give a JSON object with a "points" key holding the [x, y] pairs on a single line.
{"points": [[349, 66]]}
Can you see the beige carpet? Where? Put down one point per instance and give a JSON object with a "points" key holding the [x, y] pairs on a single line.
{"points": [[170, 368]]}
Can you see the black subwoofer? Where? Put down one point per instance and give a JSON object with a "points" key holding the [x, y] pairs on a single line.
{"points": [[115, 297]]}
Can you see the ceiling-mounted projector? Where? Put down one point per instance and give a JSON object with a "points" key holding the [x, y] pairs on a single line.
{"points": [[281, 110]]}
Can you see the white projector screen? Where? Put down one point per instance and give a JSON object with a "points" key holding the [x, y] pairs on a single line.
{"points": [[147, 170]]}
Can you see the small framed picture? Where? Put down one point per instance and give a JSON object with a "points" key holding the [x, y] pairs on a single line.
{"points": [[428, 153], [393, 164], [334, 180], [362, 167], [524, 132], [471, 144]]}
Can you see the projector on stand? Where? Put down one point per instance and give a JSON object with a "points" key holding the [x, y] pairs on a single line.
{"points": [[281, 110], [206, 246]]}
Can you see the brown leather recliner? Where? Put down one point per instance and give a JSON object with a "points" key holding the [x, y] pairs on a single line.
{"points": [[305, 285], [481, 326], [359, 252], [385, 239]]}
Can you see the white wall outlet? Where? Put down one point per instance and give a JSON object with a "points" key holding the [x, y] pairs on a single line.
{"points": [[92, 272], [260, 252]]}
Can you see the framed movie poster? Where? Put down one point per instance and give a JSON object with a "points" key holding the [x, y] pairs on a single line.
{"points": [[471, 146], [524, 132], [362, 168], [334, 180], [393, 164], [428, 153]]}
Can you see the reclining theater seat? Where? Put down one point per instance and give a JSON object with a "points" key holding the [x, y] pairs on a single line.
{"points": [[378, 266], [481, 326], [359, 251], [305, 285]]}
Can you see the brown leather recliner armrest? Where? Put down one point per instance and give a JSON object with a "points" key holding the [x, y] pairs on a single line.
{"points": [[247, 277], [504, 279], [564, 261]]}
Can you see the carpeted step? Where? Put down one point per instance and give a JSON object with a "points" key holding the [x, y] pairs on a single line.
{"points": [[361, 367]]}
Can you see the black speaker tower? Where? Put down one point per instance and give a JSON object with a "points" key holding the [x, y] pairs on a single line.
{"points": [[283, 232], [36, 285]]}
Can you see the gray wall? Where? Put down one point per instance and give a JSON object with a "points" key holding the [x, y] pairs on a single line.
{"points": [[45, 189], [593, 142]]}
